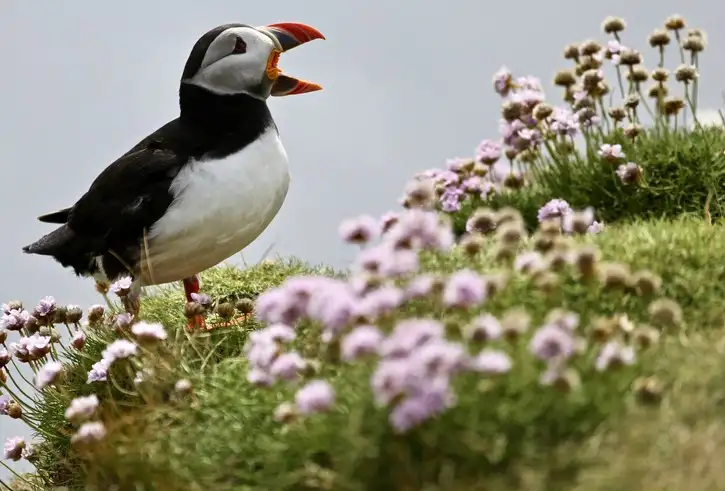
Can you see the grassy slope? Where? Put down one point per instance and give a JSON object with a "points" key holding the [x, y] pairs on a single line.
{"points": [[224, 437]]}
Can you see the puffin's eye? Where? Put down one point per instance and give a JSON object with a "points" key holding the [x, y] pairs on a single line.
{"points": [[239, 46]]}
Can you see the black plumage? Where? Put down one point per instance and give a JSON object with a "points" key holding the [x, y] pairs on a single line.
{"points": [[132, 194]]}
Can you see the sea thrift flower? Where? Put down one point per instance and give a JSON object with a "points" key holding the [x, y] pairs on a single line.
{"points": [[491, 362], [529, 262], [12, 320], [149, 332], [629, 173], [611, 152], [89, 432], [464, 289], [48, 374], [439, 358], [361, 341], [287, 366], [578, 221], [314, 397], [388, 220], [79, 340], [420, 229], [202, 299], [414, 410], [95, 313], [485, 327], [379, 302], [45, 307], [614, 354], [119, 350], [99, 371], [554, 209], [359, 230], [13, 448], [552, 342], [488, 152], [595, 228], [503, 81], [121, 287], [451, 199], [5, 357], [4, 402], [420, 286], [409, 334], [82, 408], [563, 122]]}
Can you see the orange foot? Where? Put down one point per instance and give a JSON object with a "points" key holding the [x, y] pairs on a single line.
{"points": [[196, 323]]}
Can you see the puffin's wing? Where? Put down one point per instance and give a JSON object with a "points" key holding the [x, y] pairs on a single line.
{"points": [[128, 197]]}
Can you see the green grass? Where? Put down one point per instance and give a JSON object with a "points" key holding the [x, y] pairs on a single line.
{"points": [[502, 433], [681, 169]]}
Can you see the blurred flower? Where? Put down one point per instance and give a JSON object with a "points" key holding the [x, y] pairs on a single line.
{"points": [[551, 342], [79, 339], [502, 81], [99, 371], [611, 152], [202, 299], [45, 307], [48, 374], [361, 341], [485, 327], [409, 334], [5, 357], [614, 354], [629, 173], [491, 362], [89, 432], [122, 286], [287, 366], [145, 331], [464, 289], [414, 410], [359, 230], [82, 408], [314, 397], [14, 447], [553, 209], [488, 152], [4, 401], [119, 350]]}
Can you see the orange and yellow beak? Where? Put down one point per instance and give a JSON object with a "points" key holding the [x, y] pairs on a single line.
{"points": [[288, 35]]}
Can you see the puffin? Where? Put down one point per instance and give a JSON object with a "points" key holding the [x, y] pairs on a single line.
{"points": [[200, 188]]}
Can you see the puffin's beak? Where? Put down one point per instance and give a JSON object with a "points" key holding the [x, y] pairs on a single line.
{"points": [[288, 35]]}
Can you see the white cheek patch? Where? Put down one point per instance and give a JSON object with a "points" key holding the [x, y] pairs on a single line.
{"points": [[236, 73]]}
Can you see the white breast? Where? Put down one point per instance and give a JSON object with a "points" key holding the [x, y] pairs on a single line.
{"points": [[220, 207]]}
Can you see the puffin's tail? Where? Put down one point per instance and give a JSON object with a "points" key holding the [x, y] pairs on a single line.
{"points": [[66, 247]]}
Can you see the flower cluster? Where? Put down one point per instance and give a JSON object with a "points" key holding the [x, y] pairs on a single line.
{"points": [[417, 358], [538, 139], [40, 347]]}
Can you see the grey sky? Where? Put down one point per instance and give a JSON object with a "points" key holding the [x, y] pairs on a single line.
{"points": [[407, 84]]}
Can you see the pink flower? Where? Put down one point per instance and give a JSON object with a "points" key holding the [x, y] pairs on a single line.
{"points": [[315, 397], [464, 289], [361, 341]]}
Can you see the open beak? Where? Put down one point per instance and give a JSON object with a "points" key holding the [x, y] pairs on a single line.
{"points": [[288, 35]]}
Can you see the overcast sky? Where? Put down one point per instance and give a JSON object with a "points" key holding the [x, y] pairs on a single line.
{"points": [[407, 84]]}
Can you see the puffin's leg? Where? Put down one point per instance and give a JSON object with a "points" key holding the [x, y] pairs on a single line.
{"points": [[191, 285]]}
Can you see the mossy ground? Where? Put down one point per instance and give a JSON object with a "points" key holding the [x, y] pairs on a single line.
{"points": [[224, 437]]}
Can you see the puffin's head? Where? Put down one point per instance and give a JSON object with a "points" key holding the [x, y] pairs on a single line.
{"points": [[241, 59]]}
